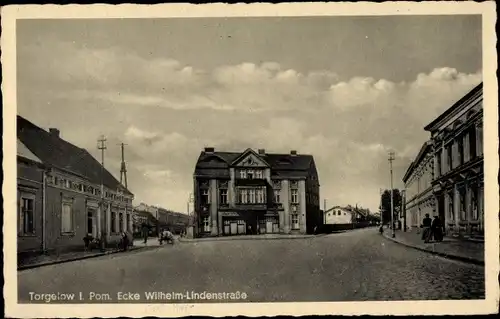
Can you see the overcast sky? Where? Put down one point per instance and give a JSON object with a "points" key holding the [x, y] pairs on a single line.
{"points": [[344, 89]]}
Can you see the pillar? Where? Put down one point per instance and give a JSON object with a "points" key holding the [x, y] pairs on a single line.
{"points": [[302, 206], [131, 220], [213, 206], [285, 199], [108, 220]]}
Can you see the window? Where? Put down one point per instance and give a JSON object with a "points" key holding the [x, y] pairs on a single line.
{"points": [[259, 174], [479, 140], [27, 214], [451, 211], [204, 196], [243, 196], [295, 221], [295, 196], [277, 198], [120, 222], [113, 222], [250, 174], [223, 196], [472, 142], [449, 153], [260, 196], [128, 222], [67, 216], [460, 151], [206, 224], [251, 196], [339, 213], [463, 212], [243, 174], [90, 221], [474, 208]]}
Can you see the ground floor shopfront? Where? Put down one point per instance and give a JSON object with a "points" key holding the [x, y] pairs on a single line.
{"points": [[249, 222]]}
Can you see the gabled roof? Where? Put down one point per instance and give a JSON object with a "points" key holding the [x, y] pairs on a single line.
{"points": [[277, 162], [245, 153], [423, 151], [24, 152], [54, 151]]}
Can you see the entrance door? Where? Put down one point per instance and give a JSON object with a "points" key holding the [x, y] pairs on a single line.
{"points": [[234, 228], [269, 227], [440, 205], [91, 227]]}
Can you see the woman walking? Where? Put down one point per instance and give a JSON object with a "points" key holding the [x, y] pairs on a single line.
{"points": [[426, 225]]}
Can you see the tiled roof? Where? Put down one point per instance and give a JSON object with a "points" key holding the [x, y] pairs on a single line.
{"points": [[284, 162], [54, 151], [23, 151]]}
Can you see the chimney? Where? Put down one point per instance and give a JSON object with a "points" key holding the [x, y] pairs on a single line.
{"points": [[293, 152], [262, 151], [55, 132], [209, 150]]}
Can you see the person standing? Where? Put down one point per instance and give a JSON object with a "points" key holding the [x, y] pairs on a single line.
{"points": [[426, 225], [437, 229], [145, 232]]}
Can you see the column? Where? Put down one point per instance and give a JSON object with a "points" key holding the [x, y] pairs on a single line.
{"points": [[480, 204], [124, 221], [466, 147], [285, 199], [479, 139], [131, 220], [108, 220], [99, 208], [213, 206], [302, 206]]}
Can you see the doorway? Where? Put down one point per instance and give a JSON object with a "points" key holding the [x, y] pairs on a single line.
{"points": [[440, 207], [91, 223]]}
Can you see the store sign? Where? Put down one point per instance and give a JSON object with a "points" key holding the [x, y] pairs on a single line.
{"points": [[230, 214]]}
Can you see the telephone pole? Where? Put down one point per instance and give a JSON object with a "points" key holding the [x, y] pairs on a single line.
{"points": [[102, 147], [123, 170], [324, 212], [391, 159]]}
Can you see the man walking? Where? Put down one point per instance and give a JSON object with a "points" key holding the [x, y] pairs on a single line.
{"points": [[145, 232], [426, 225]]}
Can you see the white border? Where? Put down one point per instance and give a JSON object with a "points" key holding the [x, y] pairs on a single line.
{"points": [[8, 44]]}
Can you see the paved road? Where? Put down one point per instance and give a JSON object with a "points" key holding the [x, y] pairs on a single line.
{"points": [[353, 266]]}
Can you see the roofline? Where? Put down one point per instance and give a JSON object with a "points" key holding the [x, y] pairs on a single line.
{"points": [[24, 158], [466, 97], [425, 146], [245, 152]]}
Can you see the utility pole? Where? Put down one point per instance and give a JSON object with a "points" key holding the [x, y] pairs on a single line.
{"points": [[380, 209], [102, 147], [123, 170], [391, 159], [324, 211]]}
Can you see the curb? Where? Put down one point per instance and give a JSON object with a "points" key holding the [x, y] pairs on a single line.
{"points": [[55, 262], [437, 253], [245, 238]]}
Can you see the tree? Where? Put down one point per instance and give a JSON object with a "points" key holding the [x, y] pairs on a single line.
{"points": [[386, 205]]}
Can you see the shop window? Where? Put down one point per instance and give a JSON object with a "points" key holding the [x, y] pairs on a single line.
{"points": [[67, 216], [295, 221], [27, 214]]}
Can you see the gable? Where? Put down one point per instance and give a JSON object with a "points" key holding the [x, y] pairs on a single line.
{"points": [[250, 159]]}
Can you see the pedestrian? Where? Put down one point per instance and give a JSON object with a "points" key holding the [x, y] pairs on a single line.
{"points": [[125, 241], [145, 233], [426, 225], [437, 229]]}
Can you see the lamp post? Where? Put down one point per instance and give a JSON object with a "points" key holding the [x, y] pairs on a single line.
{"points": [[391, 159]]}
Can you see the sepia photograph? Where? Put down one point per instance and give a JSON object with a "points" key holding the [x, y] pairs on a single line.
{"points": [[250, 157]]}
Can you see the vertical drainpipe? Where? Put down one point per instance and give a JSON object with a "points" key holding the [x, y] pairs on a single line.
{"points": [[44, 202]]}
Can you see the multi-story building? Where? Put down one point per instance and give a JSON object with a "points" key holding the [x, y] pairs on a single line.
{"points": [[157, 217], [81, 198], [419, 198], [458, 184], [255, 192]]}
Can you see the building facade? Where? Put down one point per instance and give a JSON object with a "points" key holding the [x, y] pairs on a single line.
{"points": [[255, 192], [458, 184], [81, 198], [339, 215], [418, 197]]}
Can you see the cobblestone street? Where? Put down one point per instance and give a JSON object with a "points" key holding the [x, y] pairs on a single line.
{"points": [[351, 266]]}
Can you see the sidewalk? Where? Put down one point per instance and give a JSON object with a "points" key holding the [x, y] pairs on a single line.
{"points": [[248, 237], [52, 259], [467, 251]]}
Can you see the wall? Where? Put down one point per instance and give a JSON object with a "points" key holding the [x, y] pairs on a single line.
{"points": [[344, 218], [29, 181]]}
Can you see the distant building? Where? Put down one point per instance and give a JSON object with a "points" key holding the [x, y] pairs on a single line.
{"points": [[458, 183], [72, 206], [255, 192], [157, 217], [419, 198], [339, 215]]}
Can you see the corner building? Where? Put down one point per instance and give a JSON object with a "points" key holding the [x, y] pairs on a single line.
{"points": [[255, 193], [458, 183]]}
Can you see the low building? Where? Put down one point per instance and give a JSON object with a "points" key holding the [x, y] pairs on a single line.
{"points": [[458, 184], [418, 196], [255, 192], [339, 215], [76, 204], [30, 203], [157, 217]]}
